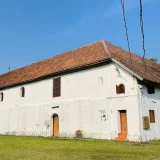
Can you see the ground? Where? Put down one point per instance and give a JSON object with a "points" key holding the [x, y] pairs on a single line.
{"points": [[32, 148]]}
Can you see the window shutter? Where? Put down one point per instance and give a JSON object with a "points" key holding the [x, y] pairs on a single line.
{"points": [[57, 87], [152, 116], [117, 89]]}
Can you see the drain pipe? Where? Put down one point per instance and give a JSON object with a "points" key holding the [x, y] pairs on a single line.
{"points": [[140, 90]]}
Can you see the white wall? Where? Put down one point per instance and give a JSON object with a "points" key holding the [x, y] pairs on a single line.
{"points": [[84, 96], [150, 102]]}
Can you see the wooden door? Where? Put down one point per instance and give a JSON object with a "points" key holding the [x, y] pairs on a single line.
{"points": [[123, 122], [123, 125], [56, 126]]}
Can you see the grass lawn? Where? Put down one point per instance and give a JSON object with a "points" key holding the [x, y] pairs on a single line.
{"points": [[32, 148]]}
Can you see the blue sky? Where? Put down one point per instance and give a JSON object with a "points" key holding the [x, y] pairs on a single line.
{"points": [[33, 30]]}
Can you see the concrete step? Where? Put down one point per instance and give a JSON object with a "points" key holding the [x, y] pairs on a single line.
{"points": [[121, 137]]}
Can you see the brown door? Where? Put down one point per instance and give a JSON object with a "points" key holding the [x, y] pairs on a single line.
{"points": [[123, 122], [56, 126]]}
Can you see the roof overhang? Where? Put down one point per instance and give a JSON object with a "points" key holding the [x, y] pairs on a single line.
{"points": [[127, 69], [64, 72]]}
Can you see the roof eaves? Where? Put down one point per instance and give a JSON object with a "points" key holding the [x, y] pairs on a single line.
{"points": [[126, 68], [56, 73]]}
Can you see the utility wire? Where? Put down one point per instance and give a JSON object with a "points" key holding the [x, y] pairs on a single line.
{"points": [[142, 30], [143, 44], [125, 23]]}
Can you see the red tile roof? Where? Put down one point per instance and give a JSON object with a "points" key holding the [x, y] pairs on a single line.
{"points": [[144, 68], [80, 57]]}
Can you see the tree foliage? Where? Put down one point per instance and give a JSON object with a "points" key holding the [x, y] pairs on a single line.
{"points": [[154, 60]]}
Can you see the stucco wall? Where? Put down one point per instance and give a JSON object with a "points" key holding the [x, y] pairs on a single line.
{"points": [[85, 97], [150, 102]]}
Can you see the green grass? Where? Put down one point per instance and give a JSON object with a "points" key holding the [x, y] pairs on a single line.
{"points": [[32, 148]]}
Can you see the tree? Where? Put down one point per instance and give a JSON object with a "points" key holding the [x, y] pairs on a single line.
{"points": [[154, 60]]}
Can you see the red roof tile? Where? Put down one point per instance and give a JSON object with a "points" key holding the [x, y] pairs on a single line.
{"points": [[145, 68], [80, 57]]}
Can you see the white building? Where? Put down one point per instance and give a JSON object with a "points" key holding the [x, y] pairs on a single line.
{"points": [[97, 91]]}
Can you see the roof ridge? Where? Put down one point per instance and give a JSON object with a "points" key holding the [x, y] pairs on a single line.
{"points": [[85, 55], [55, 56], [106, 48], [77, 48], [135, 54]]}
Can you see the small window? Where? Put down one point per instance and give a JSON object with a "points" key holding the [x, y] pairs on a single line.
{"points": [[1, 97], [151, 88], [22, 92], [57, 87], [152, 116], [120, 89]]}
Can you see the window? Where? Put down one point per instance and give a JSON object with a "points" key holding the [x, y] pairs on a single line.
{"points": [[151, 88], [22, 92], [152, 116], [57, 87], [1, 97], [120, 89]]}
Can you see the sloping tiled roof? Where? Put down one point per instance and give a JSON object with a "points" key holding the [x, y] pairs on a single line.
{"points": [[146, 69], [80, 57]]}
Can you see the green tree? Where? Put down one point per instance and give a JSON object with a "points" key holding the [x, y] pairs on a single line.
{"points": [[154, 60]]}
